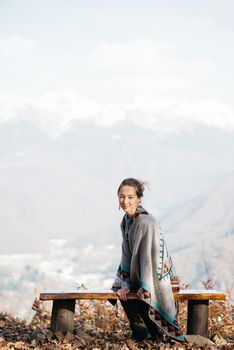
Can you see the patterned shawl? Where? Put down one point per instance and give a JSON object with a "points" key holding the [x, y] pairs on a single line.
{"points": [[146, 265]]}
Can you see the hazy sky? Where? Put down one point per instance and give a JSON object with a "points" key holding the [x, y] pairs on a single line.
{"points": [[162, 63]]}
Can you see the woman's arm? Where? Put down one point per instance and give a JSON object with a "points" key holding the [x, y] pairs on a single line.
{"points": [[122, 280]]}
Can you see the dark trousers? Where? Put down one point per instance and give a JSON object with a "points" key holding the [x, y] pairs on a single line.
{"points": [[137, 312]]}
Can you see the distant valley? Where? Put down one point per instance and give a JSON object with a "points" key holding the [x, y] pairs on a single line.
{"points": [[64, 188]]}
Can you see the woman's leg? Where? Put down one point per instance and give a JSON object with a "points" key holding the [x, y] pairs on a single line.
{"points": [[132, 309], [151, 326]]}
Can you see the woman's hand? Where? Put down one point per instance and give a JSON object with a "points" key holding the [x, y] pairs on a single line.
{"points": [[122, 293]]}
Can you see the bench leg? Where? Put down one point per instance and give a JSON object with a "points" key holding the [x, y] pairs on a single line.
{"points": [[62, 319], [197, 322]]}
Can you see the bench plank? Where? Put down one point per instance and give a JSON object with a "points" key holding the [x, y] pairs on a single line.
{"points": [[103, 295], [199, 295], [83, 294]]}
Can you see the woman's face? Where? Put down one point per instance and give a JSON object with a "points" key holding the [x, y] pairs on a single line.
{"points": [[128, 199]]}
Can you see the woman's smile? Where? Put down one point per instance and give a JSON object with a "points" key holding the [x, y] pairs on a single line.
{"points": [[128, 199]]}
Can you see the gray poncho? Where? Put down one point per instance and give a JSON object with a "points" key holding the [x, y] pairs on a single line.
{"points": [[146, 265]]}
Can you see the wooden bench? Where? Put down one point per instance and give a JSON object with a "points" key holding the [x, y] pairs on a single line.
{"points": [[63, 309]]}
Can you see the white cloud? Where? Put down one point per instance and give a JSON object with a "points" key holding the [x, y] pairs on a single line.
{"points": [[15, 45], [140, 56], [143, 66], [203, 23], [146, 57]]}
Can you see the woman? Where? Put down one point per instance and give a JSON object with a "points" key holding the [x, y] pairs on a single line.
{"points": [[146, 268]]}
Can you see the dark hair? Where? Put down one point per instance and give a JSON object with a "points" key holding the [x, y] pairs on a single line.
{"points": [[137, 184]]}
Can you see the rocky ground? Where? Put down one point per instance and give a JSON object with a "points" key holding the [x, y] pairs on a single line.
{"points": [[98, 327]]}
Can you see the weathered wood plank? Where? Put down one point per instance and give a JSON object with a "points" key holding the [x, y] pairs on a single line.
{"points": [[199, 295], [102, 295], [62, 295]]}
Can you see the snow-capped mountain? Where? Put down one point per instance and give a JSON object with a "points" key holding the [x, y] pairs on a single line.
{"points": [[52, 187]]}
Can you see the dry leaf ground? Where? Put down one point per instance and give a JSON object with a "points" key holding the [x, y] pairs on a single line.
{"points": [[97, 327]]}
